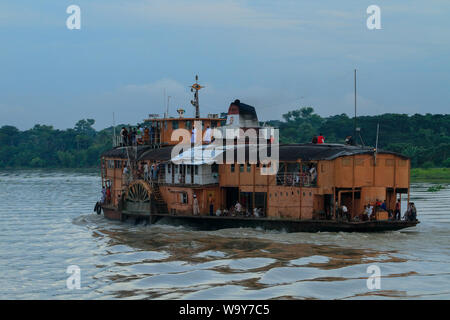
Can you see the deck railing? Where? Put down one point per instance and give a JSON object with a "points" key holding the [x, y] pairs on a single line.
{"points": [[296, 179]]}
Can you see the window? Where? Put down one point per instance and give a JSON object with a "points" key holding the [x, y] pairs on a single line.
{"points": [[241, 167], [249, 167], [175, 125], [215, 168], [189, 169], [188, 125], [213, 124], [110, 164], [169, 167], [176, 168], [359, 162], [346, 162], [184, 198], [402, 163], [118, 164], [232, 167], [196, 170], [389, 162]]}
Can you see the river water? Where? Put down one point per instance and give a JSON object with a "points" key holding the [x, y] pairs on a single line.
{"points": [[47, 225]]}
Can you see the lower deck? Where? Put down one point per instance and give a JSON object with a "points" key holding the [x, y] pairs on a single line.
{"points": [[287, 225]]}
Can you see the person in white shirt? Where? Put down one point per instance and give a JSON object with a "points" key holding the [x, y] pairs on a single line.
{"points": [[208, 135], [193, 135], [344, 211], [238, 207], [218, 212], [146, 171], [195, 206]]}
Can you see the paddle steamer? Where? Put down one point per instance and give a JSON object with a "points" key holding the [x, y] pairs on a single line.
{"points": [[308, 185]]}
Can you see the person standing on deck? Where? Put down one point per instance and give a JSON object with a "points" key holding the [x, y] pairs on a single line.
{"points": [[208, 135], [344, 211], [314, 140], [146, 171], [320, 139], [211, 205], [397, 212], [193, 135], [195, 207], [152, 171]]}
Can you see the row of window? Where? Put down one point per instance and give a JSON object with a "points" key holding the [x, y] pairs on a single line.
{"points": [[189, 123], [287, 194], [188, 169], [346, 162]]}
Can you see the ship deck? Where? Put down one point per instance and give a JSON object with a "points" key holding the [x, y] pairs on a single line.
{"points": [[203, 222]]}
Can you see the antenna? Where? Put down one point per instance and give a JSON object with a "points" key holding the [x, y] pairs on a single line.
{"points": [[376, 143], [114, 131], [194, 88], [354, 121], [167, 109]]}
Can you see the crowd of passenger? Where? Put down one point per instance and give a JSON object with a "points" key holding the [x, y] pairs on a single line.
{"points": [[236, 210], [137, 135]]}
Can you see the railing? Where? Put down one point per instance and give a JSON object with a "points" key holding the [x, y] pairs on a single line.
{"points": [[296, 179], [153, 140]]}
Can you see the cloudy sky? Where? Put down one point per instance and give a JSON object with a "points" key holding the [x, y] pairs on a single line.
{"points": [[275, 55]]}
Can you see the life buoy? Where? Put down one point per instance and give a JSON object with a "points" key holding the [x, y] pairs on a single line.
{"points": [[98, 208]]}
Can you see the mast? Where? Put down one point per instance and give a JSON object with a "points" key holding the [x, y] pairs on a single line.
{"points": [[194, 88]]}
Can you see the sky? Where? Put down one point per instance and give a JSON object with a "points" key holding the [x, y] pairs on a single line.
{"points": [[274, 55]]}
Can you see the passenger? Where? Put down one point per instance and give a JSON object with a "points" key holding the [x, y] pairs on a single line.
{"points": [[344, 210], [146, 135], [125, 174], [124, 135], [108, 195], [314, 140], [397, 212], [103, 199], [383, 206], [371, 212], [139, 135], [349, 141], [320, 139], [146, 177], [365, 214], [196, 208], [193, 135], [129, 136], [413, 216], [152, 171], [211, 205], [238, 208], [208, 135], [133, 136], [218, 212], [407, 214]]}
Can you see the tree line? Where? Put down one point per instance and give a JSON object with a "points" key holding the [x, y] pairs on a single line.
{"points": [[423, 138]]}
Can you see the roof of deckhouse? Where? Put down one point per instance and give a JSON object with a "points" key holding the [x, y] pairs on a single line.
{"points": [[326, 151], [287, 152]]}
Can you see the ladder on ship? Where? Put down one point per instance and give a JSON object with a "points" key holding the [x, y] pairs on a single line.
{"points": [[158, 203]]}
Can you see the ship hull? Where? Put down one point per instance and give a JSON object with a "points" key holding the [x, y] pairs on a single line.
{"points": [[287, 225]]}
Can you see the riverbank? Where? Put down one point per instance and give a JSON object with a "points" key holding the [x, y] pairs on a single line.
{"points": [[430, 174]]}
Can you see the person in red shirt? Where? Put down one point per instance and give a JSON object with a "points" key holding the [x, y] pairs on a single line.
{"points": [[320, 139]]}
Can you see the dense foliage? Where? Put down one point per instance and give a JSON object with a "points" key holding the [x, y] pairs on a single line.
{"points": [[424, 138]]}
